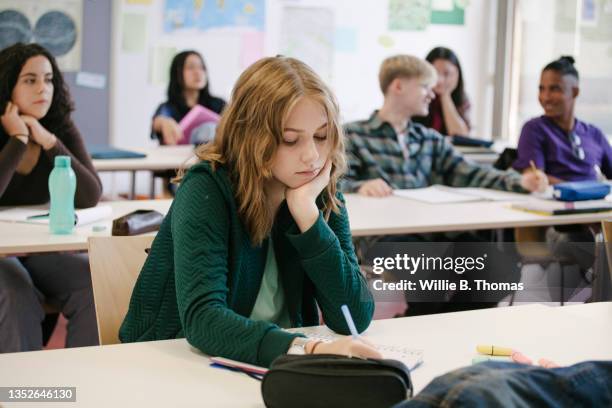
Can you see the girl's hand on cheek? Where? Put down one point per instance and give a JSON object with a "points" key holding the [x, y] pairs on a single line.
{"points": [[311, 190], [12, 122], [301, 200], [39, 134]]}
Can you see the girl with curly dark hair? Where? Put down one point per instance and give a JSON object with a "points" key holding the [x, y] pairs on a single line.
{"points": [[35, 108]]}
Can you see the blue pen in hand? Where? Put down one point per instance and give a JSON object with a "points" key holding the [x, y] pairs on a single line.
{"points": [[349, 321]]}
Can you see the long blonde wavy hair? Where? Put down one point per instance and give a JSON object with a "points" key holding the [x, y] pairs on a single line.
{"points": [[251, 130]]}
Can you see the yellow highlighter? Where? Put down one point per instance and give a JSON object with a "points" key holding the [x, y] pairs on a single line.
{"points": [[491, 350]]}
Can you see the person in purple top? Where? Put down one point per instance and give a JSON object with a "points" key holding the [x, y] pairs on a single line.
{"points": [[565, 148]]}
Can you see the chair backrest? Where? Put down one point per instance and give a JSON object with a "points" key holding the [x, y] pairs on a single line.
{"points": [[531, 244], [506, 158], [115, 263]]}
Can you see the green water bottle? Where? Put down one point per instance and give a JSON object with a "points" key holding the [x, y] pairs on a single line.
{"points": [[62, 186]]}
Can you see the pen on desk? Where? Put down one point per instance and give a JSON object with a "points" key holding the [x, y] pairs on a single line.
{"points": [[535, 170], [349, 321], [34, 217]]}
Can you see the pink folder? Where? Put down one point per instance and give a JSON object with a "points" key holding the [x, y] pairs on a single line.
{"points": [[194, 118]]}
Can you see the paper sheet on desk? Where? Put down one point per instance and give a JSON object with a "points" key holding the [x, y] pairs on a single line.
{"points": [[25, 214], [411, 357], [438, 194]]}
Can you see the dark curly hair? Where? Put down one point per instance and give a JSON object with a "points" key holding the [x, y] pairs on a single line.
{"points": [[177, 83], [12, 60], [458, 95]]}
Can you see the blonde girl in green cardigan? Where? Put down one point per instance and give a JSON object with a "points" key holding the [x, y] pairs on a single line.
{"points": [[258, 238]]}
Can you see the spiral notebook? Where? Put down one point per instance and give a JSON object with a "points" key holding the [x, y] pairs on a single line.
{"points": [[411, 357]]}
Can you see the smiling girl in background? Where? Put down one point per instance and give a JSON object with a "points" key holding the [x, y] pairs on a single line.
{"points": [[36, 127], [258, 236], [449, 112]]}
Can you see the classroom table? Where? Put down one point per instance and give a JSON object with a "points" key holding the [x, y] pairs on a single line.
{"points": [[481, 155], [396, 215], [158, 158], [368, 216], [172, 373], [24, 238]]}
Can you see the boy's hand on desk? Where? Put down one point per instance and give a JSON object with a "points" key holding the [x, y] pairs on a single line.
{"points": [[347, 346], [533, 181], [375, 188]]}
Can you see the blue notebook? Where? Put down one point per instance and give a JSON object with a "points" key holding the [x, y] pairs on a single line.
{"points": [[109, 153]]}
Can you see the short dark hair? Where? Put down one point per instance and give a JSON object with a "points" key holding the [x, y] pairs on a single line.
{"points": [[12, 60], [458, 95], [564, 66]]}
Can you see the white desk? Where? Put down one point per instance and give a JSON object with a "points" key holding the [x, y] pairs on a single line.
{"points": [[368, 216], [481, 155], [158, 158], [21, 238], [397, 215], [171, 373]]}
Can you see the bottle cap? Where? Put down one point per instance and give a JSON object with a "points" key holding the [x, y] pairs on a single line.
{"points": [[62, 161]]}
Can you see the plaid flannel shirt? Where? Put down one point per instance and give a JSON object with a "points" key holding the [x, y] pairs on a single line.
{"points": [[373, 151]]}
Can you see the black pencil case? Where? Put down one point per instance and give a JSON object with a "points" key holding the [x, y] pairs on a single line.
{"points": [[326, 380], [137, 222]]}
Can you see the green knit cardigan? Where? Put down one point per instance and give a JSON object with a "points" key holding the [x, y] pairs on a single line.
{"points": [[203, 275]]}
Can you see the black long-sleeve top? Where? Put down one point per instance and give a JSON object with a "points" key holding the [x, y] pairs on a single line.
{"points": [[32, 188]]}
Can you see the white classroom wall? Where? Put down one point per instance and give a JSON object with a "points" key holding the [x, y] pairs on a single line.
{"points": [[353, 75]]}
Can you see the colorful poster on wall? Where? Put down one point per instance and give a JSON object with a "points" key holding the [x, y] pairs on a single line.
{"points": [[409, 15], [208, 14], [448, 12], [307, 33], [54, 25]]}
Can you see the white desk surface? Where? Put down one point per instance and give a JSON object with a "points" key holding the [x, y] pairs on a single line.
{"points": [[397, 215], [19, 238], [368, 216], [173, 157], [158, 158], [173, 374]]}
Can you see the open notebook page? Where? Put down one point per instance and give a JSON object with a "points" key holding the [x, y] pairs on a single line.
{"points": [[412, 358]]}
